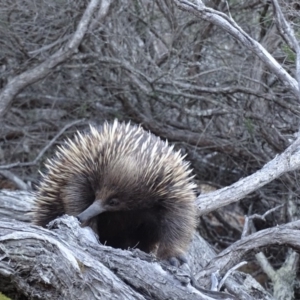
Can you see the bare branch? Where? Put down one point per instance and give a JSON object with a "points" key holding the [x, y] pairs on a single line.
{"points": [[18, 205], [246, 229], [283, 279], [28, 77], [287, 234], [16, 180], [288, 34], [288, 161], [42, 152], [229, 272], [13, 208], [222, 20], [74, 266]]}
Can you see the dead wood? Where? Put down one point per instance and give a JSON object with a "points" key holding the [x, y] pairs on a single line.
{"points": [[66, 261]]}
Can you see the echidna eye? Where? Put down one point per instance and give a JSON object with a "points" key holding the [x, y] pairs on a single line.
{"points": [[113, 202]]}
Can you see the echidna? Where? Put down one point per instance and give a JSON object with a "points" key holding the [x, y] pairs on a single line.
{"points": [[127, 184]]}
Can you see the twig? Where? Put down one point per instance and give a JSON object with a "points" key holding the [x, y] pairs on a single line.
{"points": [[229, 272], [28, 77], [42, 152], [226, 23], [16, 180], [257, 216], [283, 279], [287, 234], [288, 34]]}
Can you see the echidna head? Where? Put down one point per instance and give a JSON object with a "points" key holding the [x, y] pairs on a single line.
{"points": [[124, 186]]}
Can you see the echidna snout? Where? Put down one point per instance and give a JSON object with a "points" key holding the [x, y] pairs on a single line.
{"points": [[98, 207], [93, 210]]}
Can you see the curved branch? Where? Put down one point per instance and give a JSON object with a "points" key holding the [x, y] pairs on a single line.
{"points": [[28, 77], [287, 234], [229, 25], [287, 161]]}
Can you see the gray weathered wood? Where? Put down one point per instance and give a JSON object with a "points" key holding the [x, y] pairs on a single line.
{"points": [[67, 262]]}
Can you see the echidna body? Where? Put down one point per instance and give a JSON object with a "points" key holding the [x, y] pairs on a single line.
{"points": [[127, 184]]}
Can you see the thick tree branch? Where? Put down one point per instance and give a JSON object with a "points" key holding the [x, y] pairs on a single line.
{"points": [[68, 263], [68, 241], [287, 234], [287, 161]]}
